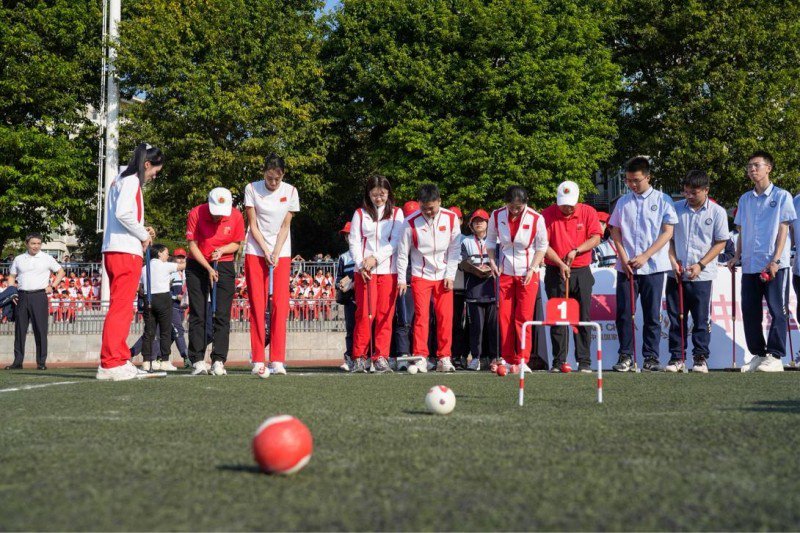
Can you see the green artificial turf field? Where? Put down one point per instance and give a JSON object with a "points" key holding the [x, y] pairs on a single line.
{"points": [[664, 452]]}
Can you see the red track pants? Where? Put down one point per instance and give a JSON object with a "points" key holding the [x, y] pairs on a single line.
{"points": [[422, 290], [516, 307], [124, 271], [383, 292], [256, 274]]}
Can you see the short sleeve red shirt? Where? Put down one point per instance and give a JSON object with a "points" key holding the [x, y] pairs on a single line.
{"points": [[210, 235], [567, 233]]}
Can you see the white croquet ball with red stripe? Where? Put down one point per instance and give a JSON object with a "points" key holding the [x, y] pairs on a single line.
{"points": [[440, 400], [282, 445]]}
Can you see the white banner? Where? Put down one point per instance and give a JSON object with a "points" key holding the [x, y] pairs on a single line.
{"points": [[721, 347]]}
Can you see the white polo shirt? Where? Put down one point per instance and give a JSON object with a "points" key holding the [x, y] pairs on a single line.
{"points": [[271, 208], [33, 271], [161, 272]]}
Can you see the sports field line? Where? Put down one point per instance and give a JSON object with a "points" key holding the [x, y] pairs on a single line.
{"points": [[43, 385]]}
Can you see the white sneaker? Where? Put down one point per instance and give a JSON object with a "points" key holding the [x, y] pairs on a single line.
{"points": [[700, 367], [344, 366], [218, 369], [754, 363], [770, 364], [120, 373], [523, 366], [147, 366], [277, 367], [167, 366], [422, 366], [200, 368], [475, 364], [445, 364], [155, 365], [261, 370], [675, 365]]}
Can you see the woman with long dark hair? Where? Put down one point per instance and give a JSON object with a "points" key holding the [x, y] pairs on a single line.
{"points": [[375, 232], [124, 242]]}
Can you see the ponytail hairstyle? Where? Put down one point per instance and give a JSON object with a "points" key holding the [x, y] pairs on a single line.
{"points": [[142, 154], [378, 182], [272, 161]]}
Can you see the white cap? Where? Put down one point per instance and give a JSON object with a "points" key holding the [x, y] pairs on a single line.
{"points": [[220, 202], [567, 193]]}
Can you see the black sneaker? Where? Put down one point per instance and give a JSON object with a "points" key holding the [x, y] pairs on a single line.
{"points": [[651, 364], [584, 367], [556, 368], [624, 364]]}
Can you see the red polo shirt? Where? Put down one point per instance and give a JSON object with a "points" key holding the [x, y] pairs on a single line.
{"points": [[210, 235], [567, 233]]}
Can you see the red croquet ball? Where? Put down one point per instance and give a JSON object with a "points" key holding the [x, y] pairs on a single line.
{"points": [[282, 445], [502, 370]]}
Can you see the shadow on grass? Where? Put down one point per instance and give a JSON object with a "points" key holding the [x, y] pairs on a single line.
{"points": [[247, 469], [416, 412], [779, 406]]}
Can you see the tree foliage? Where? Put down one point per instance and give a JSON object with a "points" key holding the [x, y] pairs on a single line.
{"points": [[706, 83], [225, 83], [472, 95], [49, 74]]}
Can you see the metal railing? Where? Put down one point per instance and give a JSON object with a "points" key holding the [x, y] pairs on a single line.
{"points": [[304, 316]]}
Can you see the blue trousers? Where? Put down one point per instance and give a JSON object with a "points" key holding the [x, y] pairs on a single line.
{"points": [[697, 302], [753, 291], [649, 288]]}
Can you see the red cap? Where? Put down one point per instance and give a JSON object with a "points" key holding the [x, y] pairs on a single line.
{"points": [[603, 216], [410, 206], [457, 211], [179, 252], [345, 229], [479, 213]]}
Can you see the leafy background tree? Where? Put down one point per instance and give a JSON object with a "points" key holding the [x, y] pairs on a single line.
{"points": [[472, 95], [225, 82], [708, 82], [49, 75]]}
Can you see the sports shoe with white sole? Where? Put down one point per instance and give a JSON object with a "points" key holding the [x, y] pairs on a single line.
{"points": [[344, 366], [218, 369], [770, 364], [382, 366], [167, 366], [445, 364], [675, 366], [475, 364], [422, 366], [200, 368], [754, 363], [277, 367], [259, 369], [147, 366], [155, 365], [700, 366], [120, 373], [624, 364], [359, 366]]}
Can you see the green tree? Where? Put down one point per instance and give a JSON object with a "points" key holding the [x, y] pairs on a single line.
{"points": [[49, 75], [473, 95], [223, 83], [706, 83]]}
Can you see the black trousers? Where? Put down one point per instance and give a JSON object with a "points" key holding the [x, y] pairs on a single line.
{"points": [[482, 329], [159, 313], [31, 308], [198, 287], [581, 282], [460, 346], [403, 319]]}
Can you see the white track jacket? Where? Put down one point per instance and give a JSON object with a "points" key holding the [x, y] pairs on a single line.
{"points": [[516, 256], [377, 239], [433, 247]]}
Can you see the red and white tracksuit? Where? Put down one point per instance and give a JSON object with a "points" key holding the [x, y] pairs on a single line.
{"points": [[519, 241], [122, 259], [433, 248], [377, 296]]}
